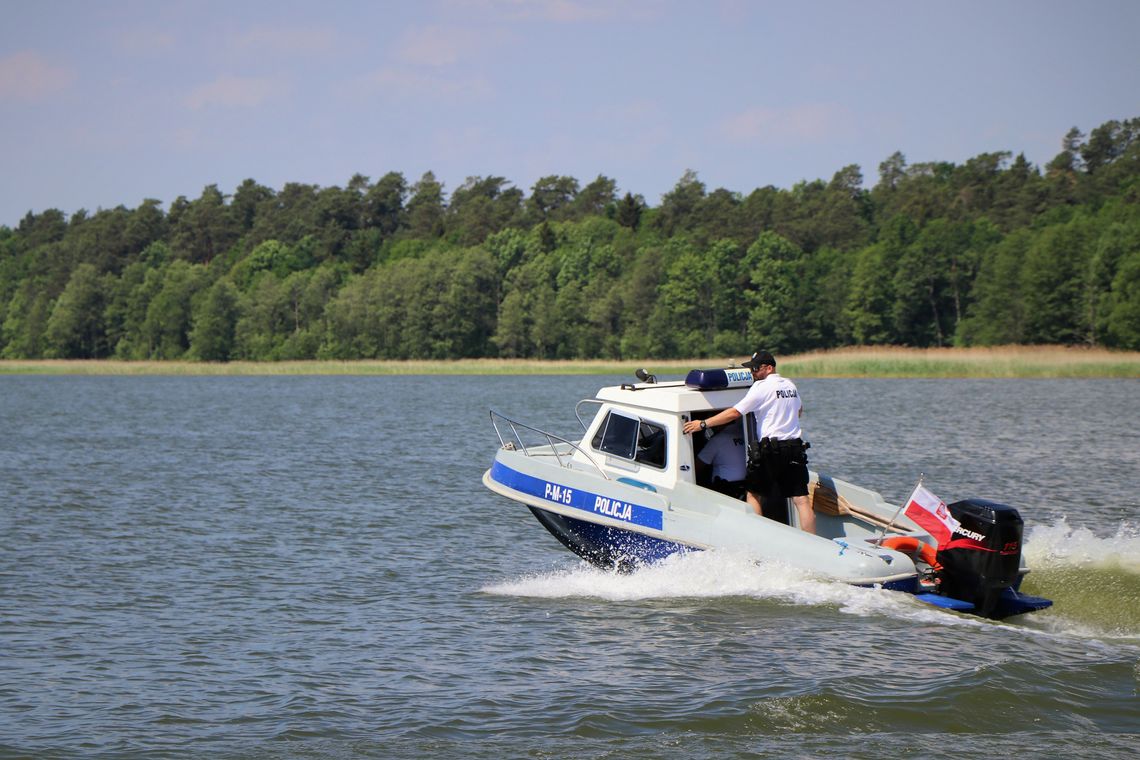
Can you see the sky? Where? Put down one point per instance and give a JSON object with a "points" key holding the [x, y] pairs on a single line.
{"points": [[110, 102]]}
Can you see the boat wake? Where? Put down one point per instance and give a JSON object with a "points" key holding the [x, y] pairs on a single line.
{"points": [[1094, 582], [721, 574], [1061, 544]]}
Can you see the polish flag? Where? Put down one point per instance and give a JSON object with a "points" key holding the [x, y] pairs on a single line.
{"points": [[931, 514]]}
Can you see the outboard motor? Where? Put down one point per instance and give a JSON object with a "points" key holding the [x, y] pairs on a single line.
{"points": [[982, 558]]}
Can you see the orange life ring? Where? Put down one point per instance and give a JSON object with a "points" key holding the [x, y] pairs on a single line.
{"points": [[914, 547]]}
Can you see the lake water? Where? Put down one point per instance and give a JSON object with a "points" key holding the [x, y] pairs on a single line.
{"points": [[310, 567]]}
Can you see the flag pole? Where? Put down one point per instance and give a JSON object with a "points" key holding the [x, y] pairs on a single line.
{"points": [[890, 523]]}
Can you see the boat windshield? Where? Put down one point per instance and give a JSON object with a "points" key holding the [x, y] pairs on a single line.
{"points": [[631, 438]]}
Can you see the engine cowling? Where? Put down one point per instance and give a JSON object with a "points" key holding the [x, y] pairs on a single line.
{"points": [[983, 557]]}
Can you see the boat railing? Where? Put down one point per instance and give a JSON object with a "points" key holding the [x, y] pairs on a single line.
{"points": [[578, 411], [560, 448]]}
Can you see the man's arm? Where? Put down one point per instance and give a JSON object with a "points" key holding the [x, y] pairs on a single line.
{"points": [[720, 418]]}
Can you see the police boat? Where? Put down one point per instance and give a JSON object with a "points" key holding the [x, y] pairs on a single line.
{"points": [[627, 493]]}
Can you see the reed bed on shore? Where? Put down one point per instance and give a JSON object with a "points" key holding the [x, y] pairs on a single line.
{"points": [[318, 367], [886, 362], [1000, 362]]}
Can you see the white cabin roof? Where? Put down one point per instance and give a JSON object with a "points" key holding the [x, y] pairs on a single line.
{"points": [[673, 397]]}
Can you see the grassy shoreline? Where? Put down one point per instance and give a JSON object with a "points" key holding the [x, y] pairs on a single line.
{"points": [[1001, 362]]}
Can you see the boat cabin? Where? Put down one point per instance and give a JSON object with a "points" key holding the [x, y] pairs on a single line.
{"points": [[636, 431]]}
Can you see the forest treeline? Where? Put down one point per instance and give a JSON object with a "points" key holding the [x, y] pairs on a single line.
{"points": [[992, 251]]}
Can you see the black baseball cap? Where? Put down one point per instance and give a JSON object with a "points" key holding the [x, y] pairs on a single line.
{"points": [[758, 358]]}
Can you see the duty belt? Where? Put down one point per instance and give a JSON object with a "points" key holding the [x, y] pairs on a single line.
{"points": [[783, 444], [770, 450]]}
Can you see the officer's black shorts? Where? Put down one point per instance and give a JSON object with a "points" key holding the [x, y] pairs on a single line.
{"points": [[790, 479]]}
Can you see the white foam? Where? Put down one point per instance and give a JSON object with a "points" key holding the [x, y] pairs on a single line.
{"points": [[719, 574], [696, 574], [724, 574], [1061, 545]]}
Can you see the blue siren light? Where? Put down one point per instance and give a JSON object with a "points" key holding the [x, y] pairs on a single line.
{"points": [[718, 379]]}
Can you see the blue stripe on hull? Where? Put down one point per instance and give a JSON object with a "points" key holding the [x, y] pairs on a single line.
{"points": [[606, 546], [587, 501]]}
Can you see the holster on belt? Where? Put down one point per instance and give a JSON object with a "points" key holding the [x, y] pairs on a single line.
{"points": [[792, 451]]}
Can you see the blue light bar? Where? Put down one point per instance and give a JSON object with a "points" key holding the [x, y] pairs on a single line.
{"points": [[718, 379]]}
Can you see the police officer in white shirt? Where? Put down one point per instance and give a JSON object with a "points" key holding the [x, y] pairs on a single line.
{"points": [[782, 467]]}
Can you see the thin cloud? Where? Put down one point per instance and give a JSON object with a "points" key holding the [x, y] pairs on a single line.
{"points": [[808, 123], [425, 63], [439, 46], [233, 92], [433, 45], [145, 41], [407, 81], [564, 11], [29, 76], [639, 113], [287, 40], [185, 138]]}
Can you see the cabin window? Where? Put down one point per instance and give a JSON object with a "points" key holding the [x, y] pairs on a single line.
{"points": [[632, 438]]}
